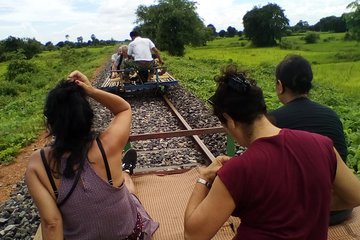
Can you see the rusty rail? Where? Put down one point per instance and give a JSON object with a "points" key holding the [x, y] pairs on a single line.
{"points": [[202, 146]]}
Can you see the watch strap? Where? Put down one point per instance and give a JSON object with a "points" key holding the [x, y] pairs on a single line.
{"points": [[204, 182]]}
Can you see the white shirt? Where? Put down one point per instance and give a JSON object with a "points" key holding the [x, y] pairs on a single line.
{"points": [[140, 49]]}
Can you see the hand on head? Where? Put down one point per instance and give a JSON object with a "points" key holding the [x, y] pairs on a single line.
{"points": [[81, 80]]}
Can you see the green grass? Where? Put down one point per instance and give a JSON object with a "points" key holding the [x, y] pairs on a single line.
{"points": [[335, 66], [334, 60], [21, 114], [336, 81]]}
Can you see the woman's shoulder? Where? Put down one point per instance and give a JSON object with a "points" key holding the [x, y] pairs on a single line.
{"points": [[109, 143], [35, 162]]}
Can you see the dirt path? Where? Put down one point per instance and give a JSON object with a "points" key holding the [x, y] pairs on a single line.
{"points": [[13, 173]]}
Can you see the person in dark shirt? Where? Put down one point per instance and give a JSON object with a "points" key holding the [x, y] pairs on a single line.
{"points": [[293, 83]]}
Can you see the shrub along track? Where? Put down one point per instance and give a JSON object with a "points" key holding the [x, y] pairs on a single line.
{"points": [[18, 216]]}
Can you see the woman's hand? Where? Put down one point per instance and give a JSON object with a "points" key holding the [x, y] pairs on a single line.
{"points": [[81, 80], [209, 173]]}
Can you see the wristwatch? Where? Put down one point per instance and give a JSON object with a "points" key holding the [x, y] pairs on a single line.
{"points": [[203, 181]]}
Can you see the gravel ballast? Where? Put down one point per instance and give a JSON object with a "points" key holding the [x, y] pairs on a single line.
{"points": [[19, 217]]}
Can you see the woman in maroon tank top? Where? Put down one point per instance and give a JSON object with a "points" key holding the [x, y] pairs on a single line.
{"points": [[281, 187]]}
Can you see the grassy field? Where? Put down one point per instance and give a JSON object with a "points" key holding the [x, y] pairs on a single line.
{"points": [[334, 61], [336, 81], [22, 99]]}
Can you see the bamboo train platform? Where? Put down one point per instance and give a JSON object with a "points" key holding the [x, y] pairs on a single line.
{"points": [[165, 197], [120, 84]]}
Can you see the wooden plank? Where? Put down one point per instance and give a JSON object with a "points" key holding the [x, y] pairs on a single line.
{"points": [[179, 133], [38, 235]]}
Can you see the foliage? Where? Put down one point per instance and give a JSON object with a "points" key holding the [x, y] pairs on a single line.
{"points": [[311, 37], [285, 44], [222, 33], [353, 19], [19, 67], [11, 45], [334, 66], [331, 24], [263, 26], [172, 24], [22, 98], [50, 46], [301, 26], [213, 30], [231, 31], [67, 55]]}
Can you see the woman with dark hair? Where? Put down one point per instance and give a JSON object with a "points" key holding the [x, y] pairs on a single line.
{"points": [[280, 187], [77, 182], [293, 83]]}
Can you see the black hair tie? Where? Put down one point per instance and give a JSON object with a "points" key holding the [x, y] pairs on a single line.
{"points": [[239, 83]]}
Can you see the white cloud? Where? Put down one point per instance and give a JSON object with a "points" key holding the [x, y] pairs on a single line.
{"points": [[51, 20]]}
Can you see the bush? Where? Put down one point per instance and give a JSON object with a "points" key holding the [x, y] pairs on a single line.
{"points": [[7, 155], [311, 37], [288, 45], [68, 55], [348, 37], [23, 78], [17, 67], [8, 89]]}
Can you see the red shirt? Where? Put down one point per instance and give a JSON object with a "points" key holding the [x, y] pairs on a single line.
{"points": [[282, 186]]}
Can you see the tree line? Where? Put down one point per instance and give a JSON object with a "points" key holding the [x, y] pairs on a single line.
{"points": [[26, 48], [173, 24]]}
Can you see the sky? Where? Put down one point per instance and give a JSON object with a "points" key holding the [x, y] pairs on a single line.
{"points": [[52, 20]]}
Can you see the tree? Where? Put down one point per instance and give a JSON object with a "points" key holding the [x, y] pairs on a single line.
{"points": [[50, 46], [353, 19], [222, 33], [263, 26], [26, 46], [172, 24], [213, 29], [231, 31], [331, 24], [67, 37], [301, 26], [31, 47], [80, 39], [210, 32]]}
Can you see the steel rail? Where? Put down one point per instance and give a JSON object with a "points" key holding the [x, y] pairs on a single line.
{"points": [[200, 143]]}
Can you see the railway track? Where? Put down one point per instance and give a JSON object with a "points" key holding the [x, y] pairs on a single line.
{"points": [[185, 131], [167, 138], [159, 132], [163, 144], [171, 133]]}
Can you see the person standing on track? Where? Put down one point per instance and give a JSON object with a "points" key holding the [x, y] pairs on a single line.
{"points": [[79, 182], [282, 187]]}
